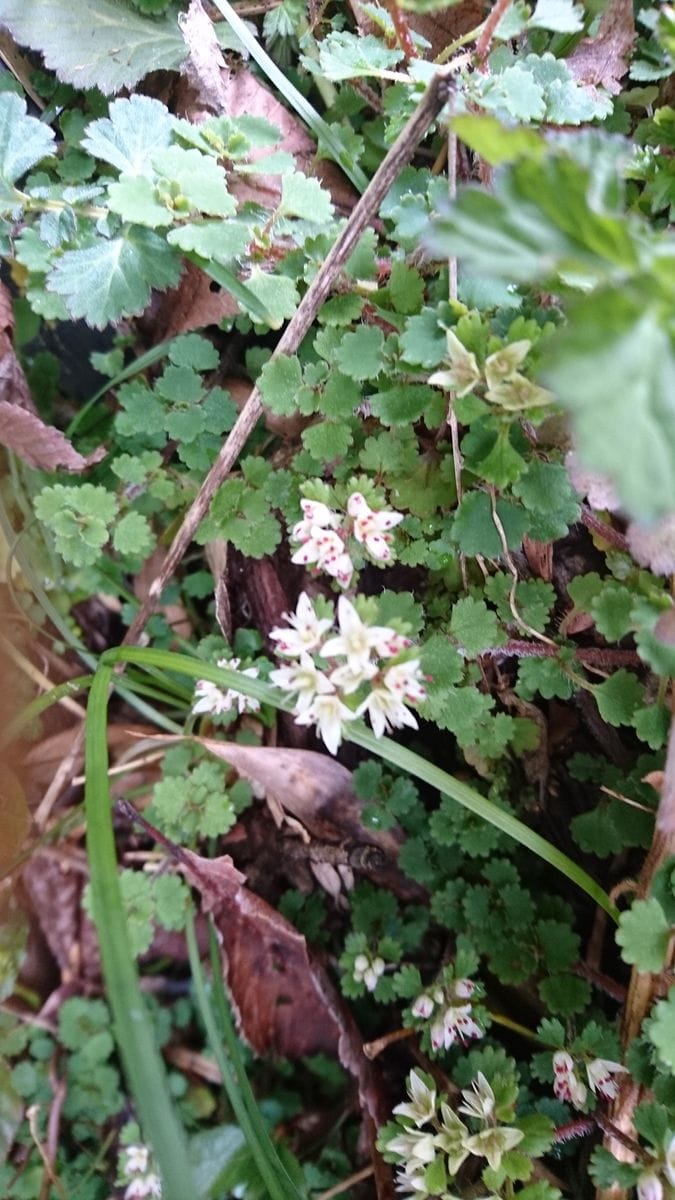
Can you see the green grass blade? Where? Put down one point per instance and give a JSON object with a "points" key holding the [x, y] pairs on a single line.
{"points": [[131, 1020], [391, 752], [328, 135], [274, 1175]]}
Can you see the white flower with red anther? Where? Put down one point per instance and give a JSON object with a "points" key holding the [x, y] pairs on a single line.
{"points": [[371, 528], [306, 630], [602, 1077], [356, 639], [305, 678], [329, 715], [566, 1084]]}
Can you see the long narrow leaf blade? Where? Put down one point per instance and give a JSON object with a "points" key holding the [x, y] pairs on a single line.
{"points": [[391, 752], [132, 1024]]}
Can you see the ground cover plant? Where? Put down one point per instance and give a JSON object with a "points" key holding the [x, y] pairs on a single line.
{"points": [[338, 546]]}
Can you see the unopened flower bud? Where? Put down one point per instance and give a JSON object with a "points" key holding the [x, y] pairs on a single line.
{"points": [[649, 1187]]}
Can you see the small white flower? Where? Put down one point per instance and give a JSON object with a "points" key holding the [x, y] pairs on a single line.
{"points": [[423, 1007], [464, 371], [356, 639], [329, 715], [414, 1144], [349, 680], [451, 1139], [209, 698], [305, 678], [371, 528], [385, 712], [423, 1101], [649, 1187], [602, 1074], [315, 514], [456, 1023], [480, 1101], [493, 1143], [391, 646], [464, 988], [368, 971], [137, 1158], [404, 682], [148, 1185], [306, 632], [566, 1084], [410, 1182]]}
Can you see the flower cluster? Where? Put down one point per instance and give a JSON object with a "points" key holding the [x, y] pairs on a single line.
{"points": [[336, 677], [209, 698], [446, 1013], [600, 1072], [431, 1142], [504, 383], [324, 533], [368, 970], [136, 1172]]}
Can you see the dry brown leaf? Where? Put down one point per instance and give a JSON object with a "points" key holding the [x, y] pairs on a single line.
{"points": [[284, 1002], [604, 59], [317, 792], [54, 882], [194, 304], [204, 63], [13, 383], [40, 445]]}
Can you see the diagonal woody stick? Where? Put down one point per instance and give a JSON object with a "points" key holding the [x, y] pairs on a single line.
{"points": [[401, 152]]}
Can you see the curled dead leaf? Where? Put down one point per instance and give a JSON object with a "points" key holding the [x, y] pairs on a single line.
{"points": [[603, 60], [317, 793], [41, 445], [204, 63], [284, 1002]]}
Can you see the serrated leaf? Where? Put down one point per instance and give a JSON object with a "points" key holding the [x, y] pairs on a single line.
{"points": [[616, 344], [304, 197], [560, 16], [201, 180], [360, 354], [618, 697], [475, 626], [543, 217], [513, 91], [327, 441], [133, 131], [277, 294], [662, 1029], [644, 935], [133, 535], [403, 404], [474, 529], [134, 198], [121, 45], [113, 277], [495, 142], [348, 56], [280, 383], [23, 142], [219, 241]]}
